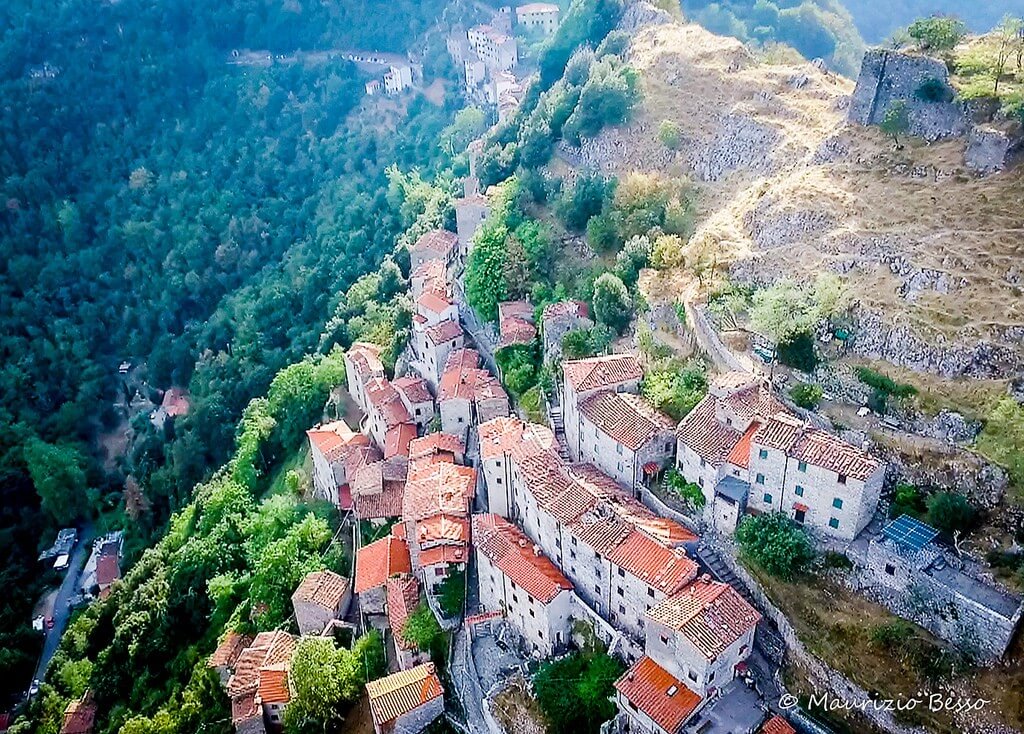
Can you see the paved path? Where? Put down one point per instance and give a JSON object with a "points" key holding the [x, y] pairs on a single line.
{"points": [[61, 609]]}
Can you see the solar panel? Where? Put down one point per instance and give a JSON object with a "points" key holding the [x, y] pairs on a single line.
{"points": [[909, 532]]}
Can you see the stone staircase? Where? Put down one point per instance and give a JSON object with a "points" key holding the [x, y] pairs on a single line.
{"points": [[558, 427]]}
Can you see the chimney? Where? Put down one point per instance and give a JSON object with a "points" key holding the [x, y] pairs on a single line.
{"points": [[706, 578], [536, 550]]}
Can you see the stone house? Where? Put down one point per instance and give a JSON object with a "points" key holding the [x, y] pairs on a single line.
{"points": [[444, 445], [497, 50], [653, 700], [468, 395], [429, 275], [377, 488], [557, 320], [433, 343], [503, 441], [748, 452], [226, 655], [515, 324], [470, 212], [362, 365], [624, 436], [406, 701], [321, 597], [386, 413], [259, 688], [583, 377], [79, 715], [375, 564], [331, 445], [541, 17], [417, 400], [621, 558], [403, 596], [906, 569], [437, 244], [519, 580]]}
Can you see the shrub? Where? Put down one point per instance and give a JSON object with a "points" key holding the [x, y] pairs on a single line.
{"points": [[806, 395], [950, 512], [892, 634], [603, 233], [675, 390], [635, 256], [575, 692], [1002, 439], [938, 33], [884, 383], [798, 352], [613, 306], [933, 90], [669, 135], [907, 500], [775, 543], [689, 492], [583, 200], [451, 594]]}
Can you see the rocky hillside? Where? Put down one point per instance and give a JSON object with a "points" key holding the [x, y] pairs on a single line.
{"points": [[932, 249]]}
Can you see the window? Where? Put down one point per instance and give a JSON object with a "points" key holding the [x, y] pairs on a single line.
{"points": [[558, 542], [618, 448], [711, 676], [620, 591], [622, 609], [574, 540], [498, 480], [767, 498], [691, 675], [540, 634], [532, 614], [439, 571], [640, 623], [668, 448], [572, 554], [801, 466], [622, 573], [842, 479], [759, 479], [762, 454], [702, 462], [664, 641], [419, 411], [650, 592], [799, 491], [597, 589], [837, 503], [700, 481], [833, 522], [890, 569], [743, 649], [515, 598], [460, 419]]}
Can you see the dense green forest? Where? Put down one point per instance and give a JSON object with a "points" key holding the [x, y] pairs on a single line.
{"points": [[197, 216]]}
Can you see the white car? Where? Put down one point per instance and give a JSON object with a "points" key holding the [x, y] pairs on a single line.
{"points": [[863, 411]]}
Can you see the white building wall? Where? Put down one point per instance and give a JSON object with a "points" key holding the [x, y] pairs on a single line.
{"points": [[456, 416], [676, 654], [325, 485]]}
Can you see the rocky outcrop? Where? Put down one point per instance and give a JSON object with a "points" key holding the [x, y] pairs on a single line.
{"points": [[949, 469], [642, 14], [740, 142], [987, 149], [922, 82]]}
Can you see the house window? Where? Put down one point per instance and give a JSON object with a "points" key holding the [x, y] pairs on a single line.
{"points": [[842, 479], [668, 448], [532, 613], [759, 479], [574, 540], [700, 481], [767, 498], [540, 634], [890, 569], [711, 676], [763, 453], [664, 641], [799, 491], [620, 591], [618, 448], [439, 571], [837, 503], [515, 598], [691, 675], [498, 480], [622, 609], [640, 623], [801, 466], [597, 589], [419, 411], [743, 649], [650, 592], [702, 462], [572, 554], [833, 523], [622, 573], [460, 419]]}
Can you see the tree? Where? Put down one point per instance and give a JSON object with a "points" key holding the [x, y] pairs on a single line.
{"points": [[689, 492], [775, 543], [786, 309], [59, 478], [1009, 40], [612, 303], [896, 121], [950, 512], [806, 395], [669, 134], [675, 389], [574, 692], [422, 630], [937, 33]]}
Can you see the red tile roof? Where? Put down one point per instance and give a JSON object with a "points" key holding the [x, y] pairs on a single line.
{"points": [[432, 302], [378, 561], [399, 693], [667, 570], [403, 594], [108, 570], [429, 270], [442, 528], [777, 725], [175, 402], [79, 716], [439, 488], [444, 332], [323, 588], [365, 357], [397, 439], [819, 448], [439, 241], [380, 505], [413, 388], [710, 614], [269, 650], [601, 372], [565, 309], [244, 707], [274, 685], [516, 556], [658, 694], [626, 418], [442, 555], [740, 453], [509, 436], [434, 443], [701, 432], [515, 323], [780, 431], [229, 649], [336, 440], [385, 400]]}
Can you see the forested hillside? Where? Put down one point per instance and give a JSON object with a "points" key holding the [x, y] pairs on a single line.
{"points": [[197, 216]]}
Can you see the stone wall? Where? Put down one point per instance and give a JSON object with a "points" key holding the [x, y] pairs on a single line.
{"points": [[887, 77]]}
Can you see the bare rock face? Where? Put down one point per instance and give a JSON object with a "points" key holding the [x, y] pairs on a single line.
{"points": [[987, 150], [953, 470], [889, 76], [741, 142], [642, 14]]}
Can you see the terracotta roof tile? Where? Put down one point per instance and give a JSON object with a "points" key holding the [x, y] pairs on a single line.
{"points": [[433, 302], [667, 570], [434, 443], [777, 725], [819, 448], [403, 594], [397, 440], [710, 614], [267, 650], [380, 560], [323, 588], [108, 570], [659, 694], [780, 432], [442, 528], [565, 310], [443, 555], [740, 453], [596, 373], [380, 505], [274, 685], [79, 716], [626, 418], [414, 389], [229, 649], [365, 357], [244, 707], [336, 440], [444, 332], [518, 558], [399, 693], [701, 431], [439, 241], [510, 436], [385, 400], [440, 488]]}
